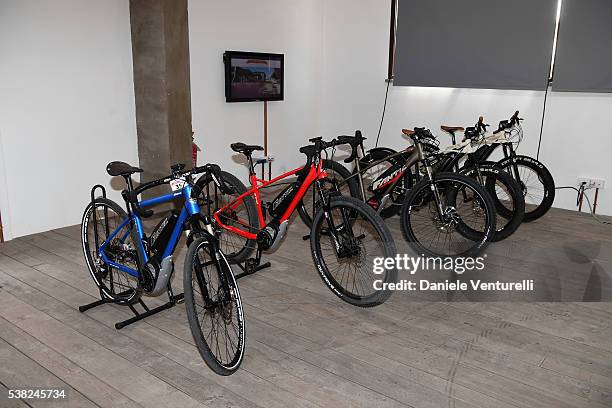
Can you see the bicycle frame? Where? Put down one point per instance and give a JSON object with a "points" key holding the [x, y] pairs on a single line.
{"points": [[398, 171], [190, 208], [484, 152], [315, 172], [416, 155]]}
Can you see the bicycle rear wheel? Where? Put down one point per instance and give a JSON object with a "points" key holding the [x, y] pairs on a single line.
{"points": [[467, 224], [536, 182], [506, 194], [346, 265], [214, 307], [244, 216], [100, 219]]}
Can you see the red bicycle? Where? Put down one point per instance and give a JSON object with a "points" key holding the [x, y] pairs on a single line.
{"points": [[345, 237]]}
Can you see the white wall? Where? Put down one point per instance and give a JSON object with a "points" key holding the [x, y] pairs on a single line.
{"points": [[289, 27], [577, 142], [66, 107], [355, 56]]}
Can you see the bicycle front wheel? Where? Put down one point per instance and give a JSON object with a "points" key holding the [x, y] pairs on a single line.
{"points": [[344, 247], [460, 221], [536, 182], [214, 307]]}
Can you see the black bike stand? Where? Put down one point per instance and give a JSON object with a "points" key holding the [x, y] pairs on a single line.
{"points": [[252, 265], [172, 301]]}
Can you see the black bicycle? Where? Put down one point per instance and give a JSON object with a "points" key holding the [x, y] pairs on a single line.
{"points": [[442, 214], [460, 158], [535, 180]]}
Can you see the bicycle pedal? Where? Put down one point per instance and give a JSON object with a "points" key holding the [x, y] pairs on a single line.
{"points": [[250, 265]]}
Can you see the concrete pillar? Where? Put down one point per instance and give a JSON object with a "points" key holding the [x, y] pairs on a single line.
{"points": [[160, 52]]}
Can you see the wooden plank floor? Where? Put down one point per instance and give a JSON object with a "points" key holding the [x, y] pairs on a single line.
{"points": [[305, 348]]}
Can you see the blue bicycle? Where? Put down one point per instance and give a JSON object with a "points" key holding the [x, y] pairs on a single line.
{"points": [[126, 263]]}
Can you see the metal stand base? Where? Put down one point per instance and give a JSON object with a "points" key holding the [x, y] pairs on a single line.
{"points": [[252, 265], [172, 301]]}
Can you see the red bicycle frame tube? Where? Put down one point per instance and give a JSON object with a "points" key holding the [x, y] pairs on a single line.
{"points": [[256, 184]]}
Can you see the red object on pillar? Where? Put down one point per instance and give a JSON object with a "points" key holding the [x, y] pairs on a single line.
{"points": [[194, 154]]}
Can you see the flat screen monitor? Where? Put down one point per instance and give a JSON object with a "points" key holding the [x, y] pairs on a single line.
{"points": [[253, 76]]}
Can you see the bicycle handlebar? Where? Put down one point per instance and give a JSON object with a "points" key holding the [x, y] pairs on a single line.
{"points": [[178, 172], [507, 124], [319, 145], [355, 142]]}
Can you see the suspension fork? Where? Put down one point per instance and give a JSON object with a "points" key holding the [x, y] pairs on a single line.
{"points": [[211, 244], [326, 208], [201, 284], [196, 229], [434, 188], [430, 179], [509, 152], [221, 267]]}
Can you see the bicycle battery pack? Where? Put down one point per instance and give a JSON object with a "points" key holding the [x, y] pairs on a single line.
{"points": [[161, 235], [278, 206]]}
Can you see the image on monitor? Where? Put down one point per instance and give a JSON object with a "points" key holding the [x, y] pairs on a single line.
{"points": [[251, 76]]}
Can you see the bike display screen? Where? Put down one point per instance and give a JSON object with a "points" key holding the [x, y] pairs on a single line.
{"points": [[253, 76]]}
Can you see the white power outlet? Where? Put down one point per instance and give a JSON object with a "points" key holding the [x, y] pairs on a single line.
{"points": [[591, 182]]}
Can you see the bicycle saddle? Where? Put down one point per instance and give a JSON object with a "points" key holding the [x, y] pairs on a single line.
{"points": [[451, 129], [118, 168], [245, 148]]}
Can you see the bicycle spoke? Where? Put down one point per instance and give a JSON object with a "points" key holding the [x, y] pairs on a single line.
{"points": [[352, 272], [465, 221], [121, 249]]}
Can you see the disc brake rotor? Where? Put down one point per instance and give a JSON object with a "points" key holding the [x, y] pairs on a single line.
{"points": [[449, 222]]}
